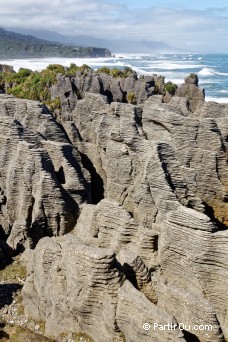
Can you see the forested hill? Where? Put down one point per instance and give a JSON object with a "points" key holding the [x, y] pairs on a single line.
{"points": [[15, 45]]}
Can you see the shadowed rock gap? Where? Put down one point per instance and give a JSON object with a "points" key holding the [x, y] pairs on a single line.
{"points": [[97, 184], [61, 175], [189, 337], [209, 211]]}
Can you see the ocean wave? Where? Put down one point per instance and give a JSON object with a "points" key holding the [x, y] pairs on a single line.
{"points": [[172, 66], [141, 71], [206, 72], [41, 63], [203, 81], [216, 99], [177, 81], [211, 72], [132, 55]]}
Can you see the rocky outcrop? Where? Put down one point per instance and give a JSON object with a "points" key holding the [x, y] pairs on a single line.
{"points": [[90, 288], [42, 181], [117, 89], [131, 89], [192, 92], [152, 247], [6, 68]]}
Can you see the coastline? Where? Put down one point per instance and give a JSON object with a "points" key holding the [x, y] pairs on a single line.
{"points": [[211, 69]]}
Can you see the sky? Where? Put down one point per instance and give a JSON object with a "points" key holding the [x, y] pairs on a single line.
{"points": [[195, 25]]}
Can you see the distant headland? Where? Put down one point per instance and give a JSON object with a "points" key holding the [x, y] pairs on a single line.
{"points": [[15, 45]]}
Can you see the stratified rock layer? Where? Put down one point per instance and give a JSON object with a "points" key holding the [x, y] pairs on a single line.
{"points": [[163, 211], [42, 183], [131, 89]]}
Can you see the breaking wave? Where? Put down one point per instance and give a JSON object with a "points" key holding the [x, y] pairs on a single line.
{"points": [[216, 99], [211, 72]]}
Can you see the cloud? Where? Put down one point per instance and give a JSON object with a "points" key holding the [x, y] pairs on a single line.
{"points": [[201, 29]]}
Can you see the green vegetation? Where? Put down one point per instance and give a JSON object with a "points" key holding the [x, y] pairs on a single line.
{"points": [[14, 45], [13, 271], [131, 98], [117, 73], [104, 70], [170, 88], [34, 85]]}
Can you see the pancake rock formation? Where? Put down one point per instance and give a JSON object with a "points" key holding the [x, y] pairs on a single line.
{"points": [[42, 181], [142, 192]]}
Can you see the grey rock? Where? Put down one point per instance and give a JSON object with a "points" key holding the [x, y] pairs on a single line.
{"points": [[192, 92], [86, 283], [152, 248], [143, 312], [42, 180], [63, 91], [71, 89], [6, 68], [192, 79]]}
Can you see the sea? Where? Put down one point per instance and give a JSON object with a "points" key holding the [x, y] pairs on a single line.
{"points": [[212, 69]]}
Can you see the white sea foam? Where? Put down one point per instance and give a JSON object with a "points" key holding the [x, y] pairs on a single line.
{"points": [[177, 81], [206, 72], [222, 73], [169, 65], [173, 67], [211, 72], [207, 81], [141, 71], [223, 91], [42, 63], [132, 55], [216, 99]]}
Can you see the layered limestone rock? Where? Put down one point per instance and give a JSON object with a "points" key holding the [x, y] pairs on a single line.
{"points": [[86, 283], [132, 89], [117, 89], [159, 191], [152, 245], [42, 182], [91, 288], [192, 92]]}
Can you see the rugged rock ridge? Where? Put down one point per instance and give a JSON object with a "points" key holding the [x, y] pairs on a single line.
{"points": [[131, 89], [42, 181], [155, 239], [61, 87], [143, 191]]}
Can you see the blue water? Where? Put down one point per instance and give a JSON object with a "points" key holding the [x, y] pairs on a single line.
{"points": [[212, 69]]}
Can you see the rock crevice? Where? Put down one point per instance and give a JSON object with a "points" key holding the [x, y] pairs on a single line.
{"points": [[148, 238]]}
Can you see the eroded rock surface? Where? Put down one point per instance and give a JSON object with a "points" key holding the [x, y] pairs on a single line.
{"points": [[192, 92], [153, 245], [142, 190], [42, 182], [131, 89], [91, 287]]}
